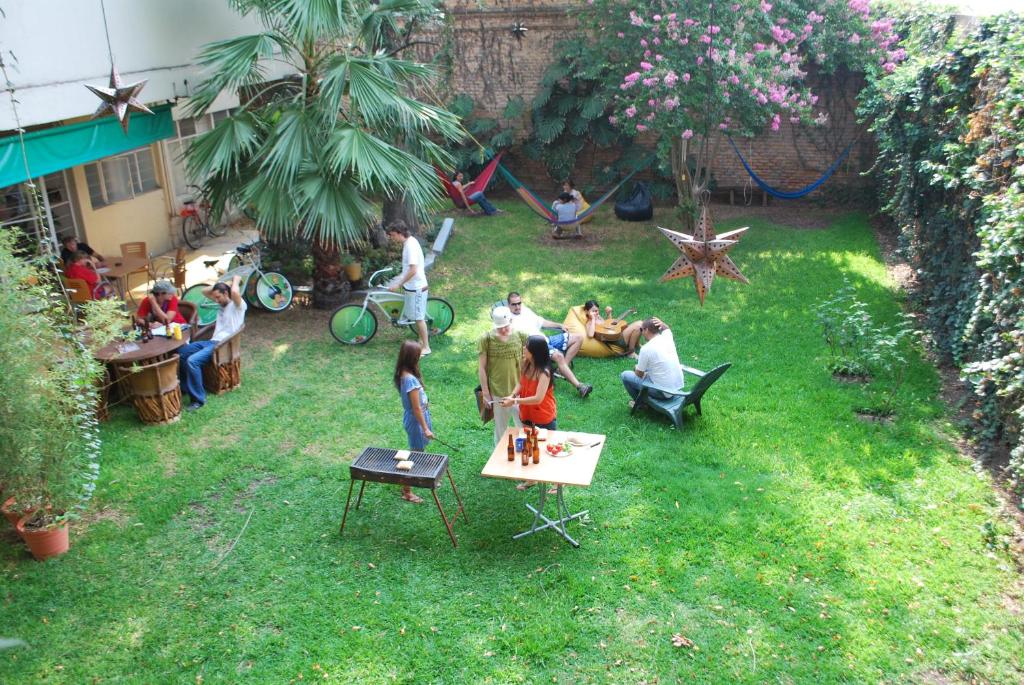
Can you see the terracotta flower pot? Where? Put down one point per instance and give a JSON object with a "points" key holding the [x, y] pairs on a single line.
{"points": [[10, 514], [44, 543]]}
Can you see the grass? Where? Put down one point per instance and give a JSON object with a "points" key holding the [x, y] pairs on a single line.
{"points": [[789, 541]]}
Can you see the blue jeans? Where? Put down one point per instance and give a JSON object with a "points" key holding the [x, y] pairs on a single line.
{"points": [[633, 383], [191, 359], [485, 204]]}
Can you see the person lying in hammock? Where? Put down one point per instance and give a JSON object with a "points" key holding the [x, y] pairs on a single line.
{"points": [[629, 336], [478, 197]]}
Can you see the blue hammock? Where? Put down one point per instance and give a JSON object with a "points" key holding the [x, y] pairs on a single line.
{"points": [[792, 195]]}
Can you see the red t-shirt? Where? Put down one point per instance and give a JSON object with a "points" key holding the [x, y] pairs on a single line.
{"points": [[170, 306], [83, 272], [538, 414]]}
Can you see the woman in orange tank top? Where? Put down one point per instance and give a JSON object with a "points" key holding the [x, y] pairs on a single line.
{"points": [[535, 393]]}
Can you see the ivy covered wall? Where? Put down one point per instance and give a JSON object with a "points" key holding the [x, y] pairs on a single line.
{"points": [[950, 129]]}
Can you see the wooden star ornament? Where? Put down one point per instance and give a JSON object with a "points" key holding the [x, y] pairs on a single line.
{"points": [[118, 98], [704, 255]]}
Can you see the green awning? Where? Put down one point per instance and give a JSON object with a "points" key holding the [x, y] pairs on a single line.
{"points": [[62, 147]]}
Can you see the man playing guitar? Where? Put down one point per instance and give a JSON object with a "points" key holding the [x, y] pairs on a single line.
{"points": [[615, 330]]}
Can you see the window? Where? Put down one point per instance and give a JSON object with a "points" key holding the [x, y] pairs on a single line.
{"points": [[58, 212], [188, 128], [121, 177]]}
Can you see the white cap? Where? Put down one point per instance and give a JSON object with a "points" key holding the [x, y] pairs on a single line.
{"points": [[501, 317]]}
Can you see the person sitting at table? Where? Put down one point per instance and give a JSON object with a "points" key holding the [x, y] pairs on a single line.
{"points": [[160, 307], [192, 357], [562, 346], [534, 394], [658, 362], [630, 335], [79, 266], [70, 245]]}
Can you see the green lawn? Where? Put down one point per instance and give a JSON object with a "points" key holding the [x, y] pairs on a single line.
{"points": [[789, 541]]}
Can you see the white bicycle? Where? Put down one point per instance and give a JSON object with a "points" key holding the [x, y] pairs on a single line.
{"points": [[355, 324]]}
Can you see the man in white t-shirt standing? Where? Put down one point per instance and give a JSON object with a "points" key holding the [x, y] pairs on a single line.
{"points": [[412, 282], [192, 357], [658, 362], [563, 346]]}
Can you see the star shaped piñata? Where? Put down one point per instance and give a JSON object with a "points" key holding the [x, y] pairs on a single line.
{"points": [[704, 255], [119, 98]]}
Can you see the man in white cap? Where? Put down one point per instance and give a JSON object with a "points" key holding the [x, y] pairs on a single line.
{"points": [[501, 356]]}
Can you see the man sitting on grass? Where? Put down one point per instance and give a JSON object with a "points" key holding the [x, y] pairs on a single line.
{"points": [[562, 346], [658, 361], [192, 357]]}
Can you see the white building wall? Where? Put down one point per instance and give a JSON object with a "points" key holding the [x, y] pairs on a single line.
{"points": [[54, 47]]}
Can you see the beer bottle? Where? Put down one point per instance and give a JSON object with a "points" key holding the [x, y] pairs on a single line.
{"points": [[525, 459], [511, 448], [536, 450]]}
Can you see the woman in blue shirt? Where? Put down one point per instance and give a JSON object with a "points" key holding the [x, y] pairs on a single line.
{"points": [[416, 417]]}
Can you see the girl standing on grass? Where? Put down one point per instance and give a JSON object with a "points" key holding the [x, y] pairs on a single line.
{"points": [[416, 417]]}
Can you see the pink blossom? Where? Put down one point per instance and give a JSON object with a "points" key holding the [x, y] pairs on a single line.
{"points": [[794, 120], [657, 41], [735, 8], [643, 42], [808, 29], [766, 6], [760, 47], [687, 134], [715, 30], [705, 38], [613, 120], [723, 126], [656, 17], [854, 38], [815, 18], [647, 54], [620, 34], [650, 81], [671, 103], [689, 22], [641, 128], [684, 41], [686, 77], [814, 99], [889, 67], [632, 77], [700, 60], [650, 117], [670, 79], [630, 112], [658, 58], [646, 66], [635, 20]]}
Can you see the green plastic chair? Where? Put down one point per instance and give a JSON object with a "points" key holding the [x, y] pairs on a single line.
{"points": [[674, 405]]}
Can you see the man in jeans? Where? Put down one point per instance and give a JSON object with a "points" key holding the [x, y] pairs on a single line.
{"points": [[412, 282], [658, 361], [563, 346], [192, 357]]}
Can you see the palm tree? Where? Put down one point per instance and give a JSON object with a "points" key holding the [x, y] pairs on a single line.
{"points": [[314, 153]]}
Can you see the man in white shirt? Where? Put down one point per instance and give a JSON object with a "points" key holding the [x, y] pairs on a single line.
{"points": [[658, 361], [562, 346], [412, 282], [192, 357]]}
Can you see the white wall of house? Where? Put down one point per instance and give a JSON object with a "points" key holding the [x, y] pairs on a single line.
{"points": [[54, 47]]}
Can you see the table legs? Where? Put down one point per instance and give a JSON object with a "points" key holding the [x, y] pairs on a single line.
{"points": [[558, 525], [433, 491]]}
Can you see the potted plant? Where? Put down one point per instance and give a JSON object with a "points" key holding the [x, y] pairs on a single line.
{"points": [[49, 436], [353, 267]]}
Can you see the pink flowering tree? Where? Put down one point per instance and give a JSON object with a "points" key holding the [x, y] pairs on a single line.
{"points": [[692, 72]]}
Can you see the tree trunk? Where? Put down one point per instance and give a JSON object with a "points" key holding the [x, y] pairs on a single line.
{"points": [[400, 209], [330, 287], [685, 190]]}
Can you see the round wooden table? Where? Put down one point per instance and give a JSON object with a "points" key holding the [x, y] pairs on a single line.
{"points": [[153, 350]]}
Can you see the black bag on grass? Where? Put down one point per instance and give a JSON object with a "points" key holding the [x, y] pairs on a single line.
{"points": [[638, 206]]}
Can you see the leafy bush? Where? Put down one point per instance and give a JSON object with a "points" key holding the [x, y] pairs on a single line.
{"points": [[951, 177]]}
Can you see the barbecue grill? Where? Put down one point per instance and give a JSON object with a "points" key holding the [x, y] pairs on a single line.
{"points": [[378, 465]]}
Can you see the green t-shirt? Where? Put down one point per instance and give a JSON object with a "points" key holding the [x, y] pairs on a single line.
{"points": [[503, 361]]}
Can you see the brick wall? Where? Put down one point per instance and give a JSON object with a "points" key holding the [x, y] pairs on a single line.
{"points": [[491, 65]]}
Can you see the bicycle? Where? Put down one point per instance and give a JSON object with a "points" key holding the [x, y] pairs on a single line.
{"points": [[354, 324], [263, 289], [195, 221]]}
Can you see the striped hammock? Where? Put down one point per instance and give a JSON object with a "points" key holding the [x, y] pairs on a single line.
{"points": [[544, 211]]}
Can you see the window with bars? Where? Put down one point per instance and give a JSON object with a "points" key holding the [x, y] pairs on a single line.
{"points": [[122, 177]]}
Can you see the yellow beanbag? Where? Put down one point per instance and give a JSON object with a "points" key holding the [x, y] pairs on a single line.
{"points": [[584, 206], [575, 322]]}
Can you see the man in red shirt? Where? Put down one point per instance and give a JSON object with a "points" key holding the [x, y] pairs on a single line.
{"points": [[160, 307]]}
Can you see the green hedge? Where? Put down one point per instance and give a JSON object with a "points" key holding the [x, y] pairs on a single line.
{"points": [[950, 128]]}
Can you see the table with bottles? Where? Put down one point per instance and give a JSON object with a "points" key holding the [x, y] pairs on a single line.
{"points": [[575, 468]]}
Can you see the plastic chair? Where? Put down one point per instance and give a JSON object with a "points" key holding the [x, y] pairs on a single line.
{"points": [[678, 400], [156, 393]]}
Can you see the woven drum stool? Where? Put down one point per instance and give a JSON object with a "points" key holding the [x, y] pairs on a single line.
{"points": [[155, 391], [224, 370]]}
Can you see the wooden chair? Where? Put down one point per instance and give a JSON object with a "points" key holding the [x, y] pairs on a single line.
{"points": [[179, 269], [135, 249], [224, 370], [155, 391], [78, 290], [678, 400], [190, 313]]}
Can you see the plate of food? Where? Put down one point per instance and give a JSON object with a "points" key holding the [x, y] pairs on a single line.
{"points": [[559, 449]]}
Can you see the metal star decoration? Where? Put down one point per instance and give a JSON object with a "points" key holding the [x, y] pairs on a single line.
{"points": [[704, 255], [118, 98]]}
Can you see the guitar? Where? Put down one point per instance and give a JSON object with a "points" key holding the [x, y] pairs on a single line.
{"points": [[611, 329]]}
